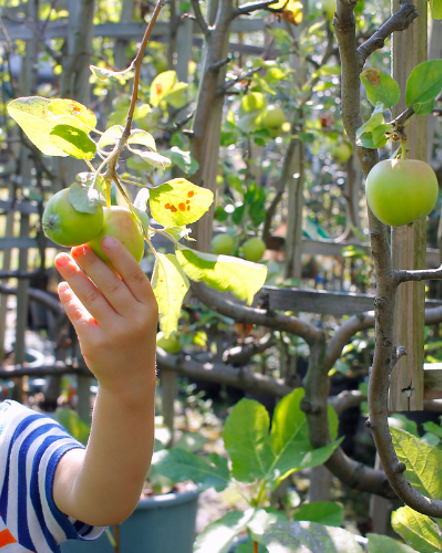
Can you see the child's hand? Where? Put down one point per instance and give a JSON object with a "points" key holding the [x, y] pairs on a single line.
{"points": [[115, 319]]}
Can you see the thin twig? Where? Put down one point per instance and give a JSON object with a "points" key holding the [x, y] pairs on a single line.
{"points": [[253, 7], [200, 18]]}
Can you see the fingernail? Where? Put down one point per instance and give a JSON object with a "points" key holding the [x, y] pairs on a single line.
{"points": [[108, 242], [61, 261], [62, 287], [80, 250]]}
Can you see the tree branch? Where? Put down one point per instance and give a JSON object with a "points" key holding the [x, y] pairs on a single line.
{"points": [[418, 276], [200, 18], [385, 350], [239, 355], [400, 21], [252, 315], [252, 7], [222, 374]]}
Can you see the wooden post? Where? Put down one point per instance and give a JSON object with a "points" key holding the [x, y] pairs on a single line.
{"points": [[6, 267], [408, 242]]}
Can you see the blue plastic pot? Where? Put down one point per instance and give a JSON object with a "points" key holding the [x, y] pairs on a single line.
{"points": [[162, 524]]}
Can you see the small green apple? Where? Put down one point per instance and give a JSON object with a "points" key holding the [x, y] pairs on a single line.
{"points": [[253, 249], [274, 117], [120, 223], [66, 226], [328, 9], [341, 152], [401, 190], [223, 244], [170, 345]]}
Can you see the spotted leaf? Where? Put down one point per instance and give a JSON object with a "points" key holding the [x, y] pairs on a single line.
{"points": [[178, 202]]}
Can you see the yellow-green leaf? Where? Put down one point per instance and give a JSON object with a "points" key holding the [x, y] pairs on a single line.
{"points": [[417, 530], [35, 119], [178, 202], [73, 141], [103, 74], [161, 86], [70, 112], [170, 285], [110, 137], [223, 272], [153, 158], [141, 138], [436, 9]]}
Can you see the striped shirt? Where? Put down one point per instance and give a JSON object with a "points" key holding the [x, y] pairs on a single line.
{"points": [[31, 446]]}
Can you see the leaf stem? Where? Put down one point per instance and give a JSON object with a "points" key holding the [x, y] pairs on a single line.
{"points": [[403, 148]]}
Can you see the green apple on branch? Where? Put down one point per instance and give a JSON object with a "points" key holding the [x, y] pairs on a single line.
{"points": [[399, 190], [63, 127]]}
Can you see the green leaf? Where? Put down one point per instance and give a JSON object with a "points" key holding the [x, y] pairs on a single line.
{"points": [[436, 9], [77, 428], [376, 120], [380, 87], [103, 74], [309, 537], [289, 439], [110, 137], [418, 530], [170, 285], [218, 536], [178, 202], [178, 465], [72, 141], [404, 423], [263, 519], [177, 95], [423, 462], [246, 440], [423, 85], [36, 121], [223, 272], [83, 196], [381, 544], [433, 427], [324, 512], [166, 87], [183, 160], [153, 158], [256, 454]]}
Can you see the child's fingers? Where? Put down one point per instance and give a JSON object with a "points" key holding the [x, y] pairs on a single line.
{"points": [[129, 270], [75, 310], [85, 290], [113, 288]]}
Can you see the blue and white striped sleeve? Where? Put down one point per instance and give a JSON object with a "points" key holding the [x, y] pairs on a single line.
{"points": [[31, 446]]}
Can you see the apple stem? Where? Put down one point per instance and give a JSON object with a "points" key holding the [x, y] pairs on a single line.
{"points": [[403, 148]]}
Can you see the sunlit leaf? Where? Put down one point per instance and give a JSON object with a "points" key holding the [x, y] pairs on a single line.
{"points": [[182, 159], [224, 273], [423, 85], [103, 74], [70, 112], [110, 137], [436, 9], [139, 137], [178, 202], [380, 88], [161, 86], [35, 119], [381, 544], [170, 285], [83, 195], [153, 158], [417, 530], [73, 141], [218, 536]]}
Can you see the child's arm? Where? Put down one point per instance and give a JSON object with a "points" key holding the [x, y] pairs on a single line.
{"points": [[116, 322]]}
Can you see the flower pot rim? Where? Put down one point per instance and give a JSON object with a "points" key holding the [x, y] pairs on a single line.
{"points": [[167, 499]]}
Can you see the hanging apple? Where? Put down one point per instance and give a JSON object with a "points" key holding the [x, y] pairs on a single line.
{"points": [[66, 226], [400, 191], [120, 223], [223, 244]]}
